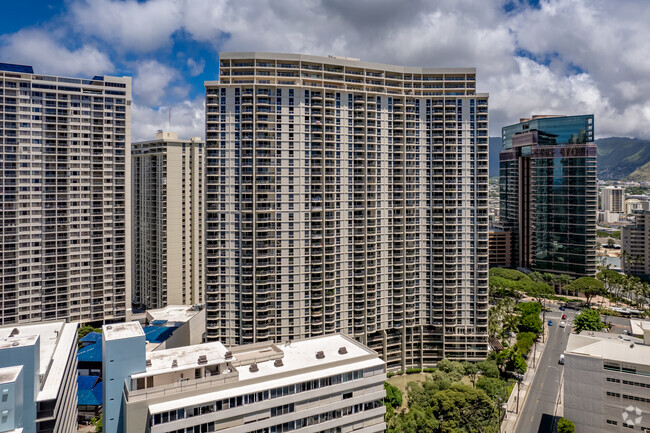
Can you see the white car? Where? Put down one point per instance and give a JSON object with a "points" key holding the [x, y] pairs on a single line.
{"points": [[563, 324]]}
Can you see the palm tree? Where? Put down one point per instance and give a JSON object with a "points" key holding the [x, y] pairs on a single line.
{"points": [[564, 280]]}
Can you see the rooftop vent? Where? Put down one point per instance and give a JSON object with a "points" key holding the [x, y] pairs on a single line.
{"points": [[202, 359], [320, 354], [15, 343], [278, 363], [343, 350], [174, 363], [632, 345], [228, 354], [109, 327], [148, 362], [14, 332], [253, 368]]}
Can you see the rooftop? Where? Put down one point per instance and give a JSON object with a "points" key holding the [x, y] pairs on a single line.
{"points": [[638, 326], [9, 374], [185, 357], [10, 67], [117, 331], [173, 313], [301, 362], [611, 349]]}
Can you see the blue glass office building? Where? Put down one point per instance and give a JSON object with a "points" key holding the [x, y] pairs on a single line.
{"points": [[548, 193]]}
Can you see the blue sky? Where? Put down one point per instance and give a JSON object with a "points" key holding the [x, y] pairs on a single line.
{"points": [[532, 56]]}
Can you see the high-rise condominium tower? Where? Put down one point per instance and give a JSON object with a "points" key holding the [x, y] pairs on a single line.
{"points": [[167, 221], [65, 208], [345, 196], [548, 193], [612, 199]]}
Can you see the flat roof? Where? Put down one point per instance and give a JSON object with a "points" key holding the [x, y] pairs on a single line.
{"points": [[173, 313], [10, 374], [186, 357], [343, 61], [638, 326], [117, 331], [57, 340], [49, 333], [300, 364], [611, 349]]}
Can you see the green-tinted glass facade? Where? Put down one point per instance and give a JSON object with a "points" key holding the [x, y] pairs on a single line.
{"points": [[549, 194]]}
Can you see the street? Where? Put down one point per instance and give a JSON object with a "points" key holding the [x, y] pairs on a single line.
{"points": [[539, 410]]}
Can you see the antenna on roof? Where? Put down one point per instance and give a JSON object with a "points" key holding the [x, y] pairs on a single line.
{"points": [[170, 118]]}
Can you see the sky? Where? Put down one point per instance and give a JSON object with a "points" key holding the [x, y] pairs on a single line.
{"points": [[532, 56]]}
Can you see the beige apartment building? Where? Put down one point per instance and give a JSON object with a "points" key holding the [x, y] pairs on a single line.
{"points": [[612, 199], [327, 384], [635, 238], [167, 179], [347, 196], [65, 208]]}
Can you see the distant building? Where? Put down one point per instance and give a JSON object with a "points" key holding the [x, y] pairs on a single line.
{"points": [[168, 215], [38, 369], [65, 210], [607, 217], [636, 245], [328, 383], [612, 199], [634, 204], [606, 382], [548, 193], [500, 248]]}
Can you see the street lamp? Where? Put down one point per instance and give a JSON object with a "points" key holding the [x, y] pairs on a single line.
{"points": [[519, 378]]}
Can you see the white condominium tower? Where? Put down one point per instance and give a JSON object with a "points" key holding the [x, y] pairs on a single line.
{"points": [[65, 211], [345, 196], [167, 176]]}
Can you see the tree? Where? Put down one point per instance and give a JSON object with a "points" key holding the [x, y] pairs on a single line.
{"points": [[98, 423], [488, 369], [453, 369], [588, 320], [565, 426], [462, 408], [589, 286], [612, 281], [471, 371], [393, 396], [531, 323], [496, 389]]}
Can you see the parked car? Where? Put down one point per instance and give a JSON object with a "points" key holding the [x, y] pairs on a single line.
{"points": [[550, 323], [563, 324]]}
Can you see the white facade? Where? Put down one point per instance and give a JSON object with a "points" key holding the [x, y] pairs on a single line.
{"points": [[606, 382], [167, 181], [38, 370], [330, 384], [65, 209], [346, 196], [612, 199]]}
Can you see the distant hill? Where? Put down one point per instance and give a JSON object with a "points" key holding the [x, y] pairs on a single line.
{"points": [[623, 158], [618, 158]]}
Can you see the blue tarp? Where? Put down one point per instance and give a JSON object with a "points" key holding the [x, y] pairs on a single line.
{"points": [[90, 353], [92, 337], [89, 390], [158, 334]]}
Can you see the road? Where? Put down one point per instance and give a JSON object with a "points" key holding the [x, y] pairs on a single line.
{"points": [[538, 413]]}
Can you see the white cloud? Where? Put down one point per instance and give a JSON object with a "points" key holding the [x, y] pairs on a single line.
{"points": [[152, 81], [128, 25], [592, 55], [187, 118], [196, 67], [39, 49]]}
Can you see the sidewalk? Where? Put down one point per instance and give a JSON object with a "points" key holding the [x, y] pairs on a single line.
{"points": [[509, 424]]}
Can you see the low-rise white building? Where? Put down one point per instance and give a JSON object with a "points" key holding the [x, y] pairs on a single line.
{"points": [[327, 384], [607, 383], [38, 388]]}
